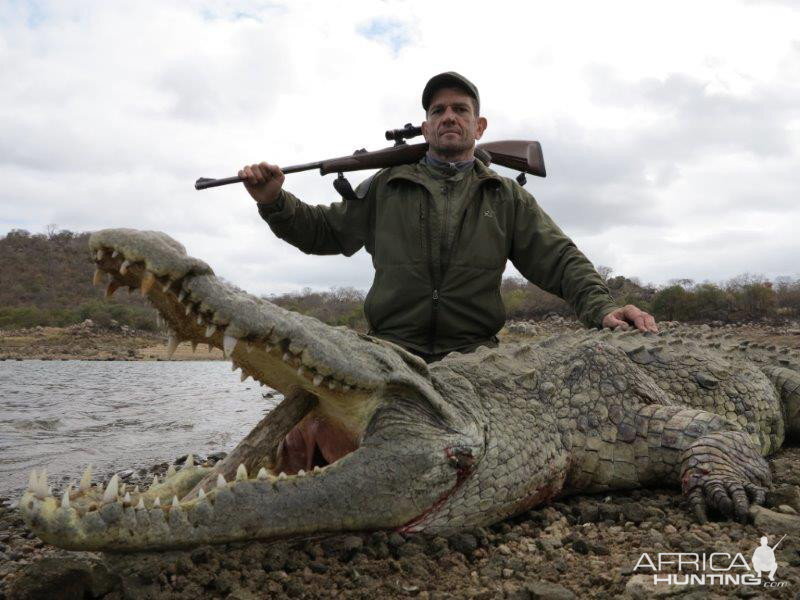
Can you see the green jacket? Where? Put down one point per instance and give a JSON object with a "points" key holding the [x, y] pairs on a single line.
{"points": [[439, 244]]}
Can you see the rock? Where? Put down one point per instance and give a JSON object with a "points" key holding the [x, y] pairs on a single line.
{"points": [[784, 494], [126, 474], [217, 456], [200, 555], [580, 546], [318, 567], [62, 577], [465, 543], [544, 590], [775, 522], [633, 511]]}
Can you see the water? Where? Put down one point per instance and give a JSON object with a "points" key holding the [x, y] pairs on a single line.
{"points": [[117, 415]]}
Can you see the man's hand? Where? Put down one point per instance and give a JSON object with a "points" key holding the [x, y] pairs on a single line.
{"points": [[629, 314], [263, 181]]}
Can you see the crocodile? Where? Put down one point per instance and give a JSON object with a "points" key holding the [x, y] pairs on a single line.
{"points": [[370, 437]]}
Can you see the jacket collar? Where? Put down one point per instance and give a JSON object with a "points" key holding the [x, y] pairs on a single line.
{"points": [[416, 172]]}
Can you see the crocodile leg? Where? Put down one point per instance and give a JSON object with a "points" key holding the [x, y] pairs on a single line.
{"points": [[716, 464]]}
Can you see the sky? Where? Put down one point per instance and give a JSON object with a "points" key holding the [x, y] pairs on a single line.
{"points": [[670, 130]]}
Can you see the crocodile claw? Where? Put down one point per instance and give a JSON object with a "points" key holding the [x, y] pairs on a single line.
{"points": [[724, 472]]}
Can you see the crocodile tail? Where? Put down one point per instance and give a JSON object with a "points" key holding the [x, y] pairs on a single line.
{"points": [[787, 382]]}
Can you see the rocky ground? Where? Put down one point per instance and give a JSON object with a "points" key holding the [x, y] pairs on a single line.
{"points": [[580, 547]]}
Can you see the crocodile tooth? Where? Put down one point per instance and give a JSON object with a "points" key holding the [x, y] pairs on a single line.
{"points": [[234, 366], [112, 287], [148, 281], [155, 480], [282, 475], [110, 494], [317, 379], [172, 345], [115, 254], [199, 319], [166, 287], [221, 481], [141, 504], [268, 347], [123, 268], [136, 489], [244, 376], [301, 472], [65, 497], [127, 497], [241, 472], [42, 490], [99, 254], [301, 371], [175, 503], [332, 384], [171, 471], [317, 469], [286, 357], [189, 462], [229, 344], [210, 330], [86, 480], [262, 474], [188, 310], [157, 502], [201, 494], [122, 489], [181, 295], [99, 277], [346, 387]]}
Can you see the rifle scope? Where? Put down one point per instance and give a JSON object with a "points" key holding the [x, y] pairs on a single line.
{"points": [[400, 135]]}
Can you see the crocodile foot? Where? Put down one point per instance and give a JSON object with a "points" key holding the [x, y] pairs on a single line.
{"points": [[724, 471]]}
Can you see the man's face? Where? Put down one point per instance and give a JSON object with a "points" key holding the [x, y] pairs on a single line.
{"points": [[451, 126]]}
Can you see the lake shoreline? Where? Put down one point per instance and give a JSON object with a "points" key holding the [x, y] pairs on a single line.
{"points": [[87, 341]]}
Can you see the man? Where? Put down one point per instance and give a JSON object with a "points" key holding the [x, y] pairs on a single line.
{"points": [[440, 233]]}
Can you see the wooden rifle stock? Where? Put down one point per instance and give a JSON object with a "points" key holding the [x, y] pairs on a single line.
{"points": [[520, 155]]}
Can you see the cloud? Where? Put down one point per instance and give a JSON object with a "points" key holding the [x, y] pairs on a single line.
{"points": [[666, 157], [389, 31]]}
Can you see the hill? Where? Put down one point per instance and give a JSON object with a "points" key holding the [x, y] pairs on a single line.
{"points": [[45, 280]]}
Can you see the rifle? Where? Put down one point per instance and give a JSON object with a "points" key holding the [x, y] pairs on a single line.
{"points": [[520, 155]]}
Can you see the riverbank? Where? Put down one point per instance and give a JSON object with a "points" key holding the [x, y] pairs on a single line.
{"points": [[87, 341]]}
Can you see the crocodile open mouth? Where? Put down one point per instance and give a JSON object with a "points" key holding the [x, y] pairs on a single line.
{"points": [[295, 471], [315, 442]]}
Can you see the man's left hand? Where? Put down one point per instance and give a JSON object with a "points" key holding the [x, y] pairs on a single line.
{"points": [[630, 315]]}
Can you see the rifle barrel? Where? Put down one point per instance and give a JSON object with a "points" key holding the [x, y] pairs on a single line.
{"points": [[205, 182]]}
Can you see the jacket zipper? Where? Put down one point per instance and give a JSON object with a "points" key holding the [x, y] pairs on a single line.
{"points": [[434, 281]]}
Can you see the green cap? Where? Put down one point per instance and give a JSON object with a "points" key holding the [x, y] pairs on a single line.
{"points": [[449, 79]]}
